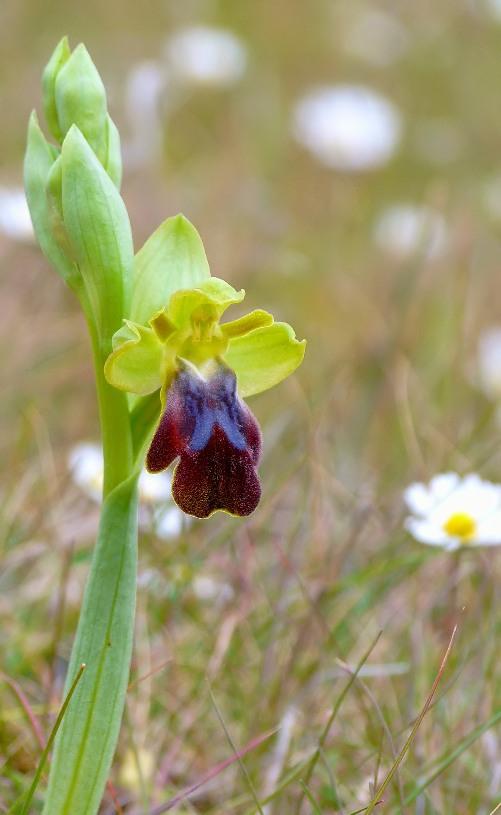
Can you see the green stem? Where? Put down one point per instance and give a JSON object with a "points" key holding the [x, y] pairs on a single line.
{"points": [[86, 741], [114, 416]]}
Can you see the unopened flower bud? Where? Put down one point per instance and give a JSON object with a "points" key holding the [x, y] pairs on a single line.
{"points": [[81, 100], [55, 206], [60, 56]]}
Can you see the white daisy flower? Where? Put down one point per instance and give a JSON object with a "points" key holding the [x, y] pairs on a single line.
{"points": [[455, 512], [488, 373], [15, 218], [407, 229], [347, 127], [206, 56]]}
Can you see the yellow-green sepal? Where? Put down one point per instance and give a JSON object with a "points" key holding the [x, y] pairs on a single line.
{"points": [[136, 362], [264, 357], [172, 258]]}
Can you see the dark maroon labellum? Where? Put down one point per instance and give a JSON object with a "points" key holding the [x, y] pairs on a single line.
{"points": [[218, 442]]}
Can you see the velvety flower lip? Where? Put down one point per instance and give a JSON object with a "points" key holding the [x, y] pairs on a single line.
{"points": [[217, 439]]}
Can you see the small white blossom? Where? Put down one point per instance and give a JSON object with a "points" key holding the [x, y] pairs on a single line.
{"points": [[15, 219], [169, 521], [454, 512], [488, 369], [206, 56], [407, 229], [85, 463], [347, 127]]}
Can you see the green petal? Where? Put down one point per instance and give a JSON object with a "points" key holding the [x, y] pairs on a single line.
{"points": [[99, 231], [244, 325], [264, 357], [206, 302], [172, 258], [136, 360]]}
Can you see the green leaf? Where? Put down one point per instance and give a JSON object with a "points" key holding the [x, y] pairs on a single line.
{"points": [[264, 357], [135, 364], [87, 738], [98, 228], [39, 159], [206, 302], [172, 258], [113, 161]]}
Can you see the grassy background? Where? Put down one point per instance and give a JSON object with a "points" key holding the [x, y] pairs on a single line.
{"points": [[384, 397]]}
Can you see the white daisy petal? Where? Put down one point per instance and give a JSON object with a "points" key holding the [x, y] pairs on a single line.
{"points": [[489, 530], [426, 532], [418, 498]]}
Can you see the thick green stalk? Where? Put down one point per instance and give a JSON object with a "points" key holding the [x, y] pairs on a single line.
{"points": [[87, 738]]}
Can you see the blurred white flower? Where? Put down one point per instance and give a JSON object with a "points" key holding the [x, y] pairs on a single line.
{"points": [[488, 368], [146, 84], [407, 229], [85, 463], [376, 37], [169, 521], [455, 512], [207, 589], [347, 127], [206, 56], [15, 219]]}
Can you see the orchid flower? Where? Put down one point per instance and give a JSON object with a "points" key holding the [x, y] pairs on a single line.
{"points": [[174, 343]]}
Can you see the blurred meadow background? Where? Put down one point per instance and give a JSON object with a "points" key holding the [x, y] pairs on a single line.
{"points": [[370, 219]]}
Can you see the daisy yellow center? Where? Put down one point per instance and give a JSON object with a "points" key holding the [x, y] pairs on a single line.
{"points": [[460, 525]]}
